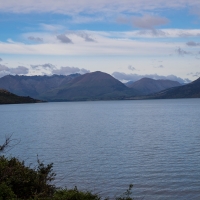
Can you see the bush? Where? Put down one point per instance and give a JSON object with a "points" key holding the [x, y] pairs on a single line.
{"points": [[74, 194], [19, 182], [25, 182]]}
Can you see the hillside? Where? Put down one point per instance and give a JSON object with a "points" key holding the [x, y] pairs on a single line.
{"points": [[91, 86], [191, 90], [149, 86], [34, 86], [9, 98]]}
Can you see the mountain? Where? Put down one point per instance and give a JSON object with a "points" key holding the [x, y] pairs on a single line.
{"points": [[9, 98], [91, 86], [149, 86], [129, 83], [34, 86], [191, 90]]}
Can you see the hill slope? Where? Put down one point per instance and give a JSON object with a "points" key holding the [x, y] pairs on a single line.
{"points": [[191, 90], [9, 98], [91, 86], [33, 86], [150, 86]]}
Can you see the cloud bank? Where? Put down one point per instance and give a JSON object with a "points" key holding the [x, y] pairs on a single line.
{"points": [[135, 77], [69, 70], [20, 70], [91, 6]]}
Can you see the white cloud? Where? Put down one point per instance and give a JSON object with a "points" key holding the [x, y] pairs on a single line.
{"points": [[148, 22], [89, 43], [130, 67], [69, 70], [35, 39], [44, 66], [4, 70], [19, 70], [91, 6], [51, 27]]}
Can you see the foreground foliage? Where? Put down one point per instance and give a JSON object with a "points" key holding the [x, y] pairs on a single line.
{"points": [[19, 182]]}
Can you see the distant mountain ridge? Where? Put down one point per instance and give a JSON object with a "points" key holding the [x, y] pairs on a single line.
{"points": [[150, 86], [9, 98], [190, 90], [34, 86]]}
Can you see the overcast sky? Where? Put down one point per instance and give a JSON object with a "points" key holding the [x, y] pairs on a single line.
{"points": [[127, 39]]}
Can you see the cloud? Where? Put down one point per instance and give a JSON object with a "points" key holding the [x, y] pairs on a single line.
{"points": [[130, 67], [64, 39], [192, 44], [160, 66], [69, 70], [197, 74], [1, 59], [135, 77], [82, 34], [86, 37], [44, 66], [91, 6], [4, 70], [51, 27], [148, 22], [19, 70], [182, 52], [35, 39]]}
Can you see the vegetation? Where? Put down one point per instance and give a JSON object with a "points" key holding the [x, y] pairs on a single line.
{"points": [[18, 181], [9, 98]]}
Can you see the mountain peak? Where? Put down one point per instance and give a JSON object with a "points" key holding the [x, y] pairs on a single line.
{"points": [[149, 86]]}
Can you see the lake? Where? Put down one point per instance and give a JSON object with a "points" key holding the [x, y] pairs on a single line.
{"points": [[104, 146]]}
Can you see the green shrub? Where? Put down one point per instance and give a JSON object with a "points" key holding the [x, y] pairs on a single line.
{"points": [[6, 192], [74, 194], [24, 181], [19, 182]]}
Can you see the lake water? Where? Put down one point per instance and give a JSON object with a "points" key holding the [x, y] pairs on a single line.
{"points": [[104, 146]]}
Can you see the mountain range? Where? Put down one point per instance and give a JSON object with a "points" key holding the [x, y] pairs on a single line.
{"points": [[94, 86], [91, 86], [34, 86]]}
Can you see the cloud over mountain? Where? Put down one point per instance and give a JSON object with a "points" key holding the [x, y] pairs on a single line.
{"points": [[44, 66], [69, 70], [135, 77], [21, 70]]}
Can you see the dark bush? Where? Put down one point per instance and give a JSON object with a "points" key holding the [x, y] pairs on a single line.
{"points": [[25, 182], [19, 182]]}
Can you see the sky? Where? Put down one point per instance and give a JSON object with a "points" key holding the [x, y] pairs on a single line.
{"points": [[128, 39]]}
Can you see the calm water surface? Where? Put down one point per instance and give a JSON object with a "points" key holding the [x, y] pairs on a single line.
{"points": [[104, 146]]}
